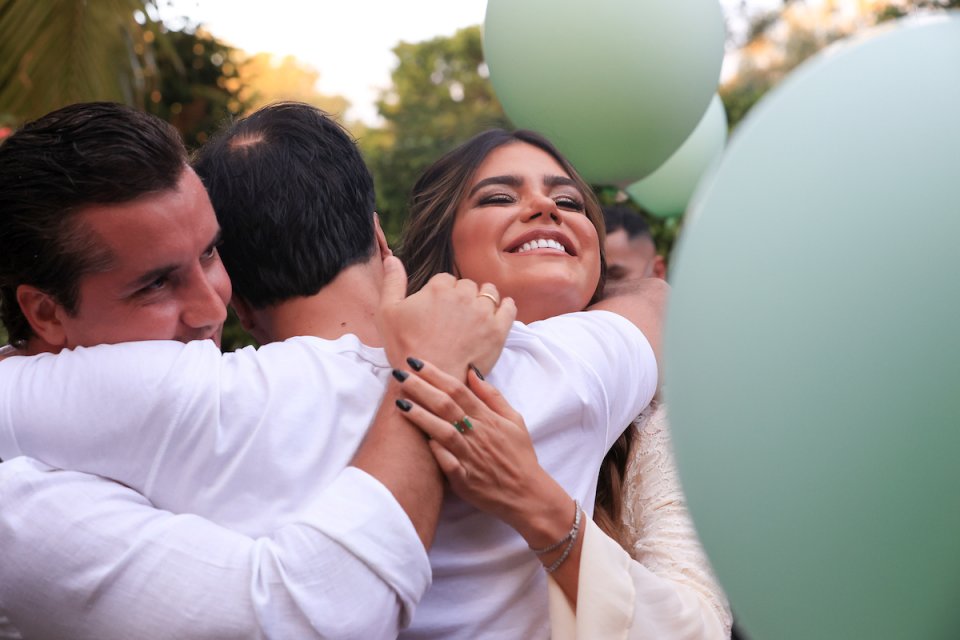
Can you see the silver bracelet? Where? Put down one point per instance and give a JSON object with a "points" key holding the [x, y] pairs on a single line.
{"points": [[574, 534], [559, 543]]}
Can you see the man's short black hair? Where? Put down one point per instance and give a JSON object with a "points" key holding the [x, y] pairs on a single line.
{"points": [[55, 167], [630, 220], [294, 199]]}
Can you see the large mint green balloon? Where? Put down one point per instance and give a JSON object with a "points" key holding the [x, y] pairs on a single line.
{"points": [[617, 85], [667, 191], [813, 347]]}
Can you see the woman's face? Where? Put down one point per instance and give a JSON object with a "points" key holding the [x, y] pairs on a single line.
{"points": [[522, 227]]}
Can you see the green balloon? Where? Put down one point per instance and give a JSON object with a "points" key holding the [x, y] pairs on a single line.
{"points": [[667, 191], [813, 347], [617, 85]]}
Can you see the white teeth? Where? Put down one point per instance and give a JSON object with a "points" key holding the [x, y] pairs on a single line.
{"points": [[541, 243]]}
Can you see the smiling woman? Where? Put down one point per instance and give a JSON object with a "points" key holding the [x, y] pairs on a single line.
{"points": [[522, 226], [478, 211], [508, 209]]}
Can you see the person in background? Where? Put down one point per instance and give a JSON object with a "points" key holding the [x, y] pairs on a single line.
{"points": [[631, 252]]}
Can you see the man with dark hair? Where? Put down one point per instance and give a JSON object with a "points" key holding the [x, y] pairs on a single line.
{"points": [[74, 188], [630, 250], [106, 236], [227, 438], [308, 218]]}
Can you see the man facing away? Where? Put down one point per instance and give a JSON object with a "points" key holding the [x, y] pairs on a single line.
{"points": [[351, 355]]}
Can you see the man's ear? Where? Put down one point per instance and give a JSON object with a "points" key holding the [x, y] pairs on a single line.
{"points": [[249, 319], [382, 245], [659, 267], [244, 313], [44, 315]]}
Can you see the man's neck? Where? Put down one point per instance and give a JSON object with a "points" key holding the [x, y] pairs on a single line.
{"points": [[346, 305], [35, 346]]}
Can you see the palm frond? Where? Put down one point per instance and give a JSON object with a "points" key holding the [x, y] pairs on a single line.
{"points": [[55, 52]]}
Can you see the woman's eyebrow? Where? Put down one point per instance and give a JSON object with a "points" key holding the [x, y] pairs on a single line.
{"points": [[556, 181], [510, 181]]}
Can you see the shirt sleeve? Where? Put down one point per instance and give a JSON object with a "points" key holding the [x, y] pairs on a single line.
{"points": [[111, 409], [619, 364], [167, 418], [88, 558]]}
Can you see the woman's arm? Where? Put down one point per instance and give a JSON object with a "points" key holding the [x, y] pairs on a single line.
{"points": [[666, 590], [489, 460]]}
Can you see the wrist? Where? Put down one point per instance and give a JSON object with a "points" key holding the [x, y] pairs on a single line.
{"points": [[555, 554], [547, 519]]}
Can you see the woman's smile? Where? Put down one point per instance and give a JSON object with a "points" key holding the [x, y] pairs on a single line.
{"points": [[523, 228]]}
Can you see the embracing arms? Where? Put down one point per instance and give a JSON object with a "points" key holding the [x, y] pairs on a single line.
{"points": [[449, 323], [665, 590], [87, 558]]}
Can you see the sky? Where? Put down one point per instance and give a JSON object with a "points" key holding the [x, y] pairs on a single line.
{"points": [[348, 41]]}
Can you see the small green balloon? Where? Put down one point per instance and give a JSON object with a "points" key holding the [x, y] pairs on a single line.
{"points": [[617, 85], [667, 191], [813, 347]]}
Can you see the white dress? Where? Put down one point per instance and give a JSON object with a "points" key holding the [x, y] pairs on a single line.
{"points": [[664, 589]]}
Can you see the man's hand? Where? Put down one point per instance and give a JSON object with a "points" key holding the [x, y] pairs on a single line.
{"points": [[452, 323]]}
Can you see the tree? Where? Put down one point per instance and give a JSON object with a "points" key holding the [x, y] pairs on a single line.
{"points": [[778, 41], [265, 79], [56, 52], [198, 85], [441, 96]]}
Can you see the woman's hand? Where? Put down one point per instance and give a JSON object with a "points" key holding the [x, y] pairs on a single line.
{"points": [[484, 449]]}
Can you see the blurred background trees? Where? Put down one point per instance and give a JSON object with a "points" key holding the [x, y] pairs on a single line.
{"points": [[441, 96], [54, 52], [775, 42]]}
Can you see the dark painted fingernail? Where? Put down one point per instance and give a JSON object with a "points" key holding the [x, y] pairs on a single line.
{"points": [[400, 375], [404, 404], [415, 364], [476, 371]]}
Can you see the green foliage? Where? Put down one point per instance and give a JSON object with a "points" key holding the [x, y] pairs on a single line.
{"points": [[758, 74], [56, 52], [441, 96], [234, 335], [198, 86]]}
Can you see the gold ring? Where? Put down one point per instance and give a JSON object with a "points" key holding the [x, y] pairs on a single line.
{"points": [[484, 294]]}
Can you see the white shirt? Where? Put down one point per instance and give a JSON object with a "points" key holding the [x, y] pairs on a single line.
{"points": [[247, 440], [85, 558]]}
